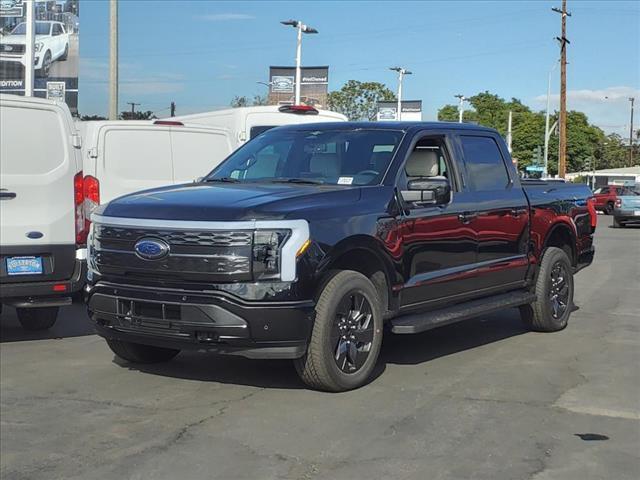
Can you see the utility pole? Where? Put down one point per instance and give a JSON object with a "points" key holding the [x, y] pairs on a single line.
{"points": [[461, 98], [401, 73], [173, 109], [547, 132], [631, 99], [113, 60], [133, 109], [509, 131], [562, 156], [29, 49]]}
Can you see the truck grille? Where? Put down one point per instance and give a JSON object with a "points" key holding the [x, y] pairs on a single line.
{"points": [[197, 256], [11, 48]]}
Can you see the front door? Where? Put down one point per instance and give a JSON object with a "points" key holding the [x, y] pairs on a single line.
{"points": [[440, 245], [502, 224]]}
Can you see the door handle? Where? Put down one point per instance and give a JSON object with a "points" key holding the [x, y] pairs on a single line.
{"points": [[467, 217], [516, 212], [4, 195]]}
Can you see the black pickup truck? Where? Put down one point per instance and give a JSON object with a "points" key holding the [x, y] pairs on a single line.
{"points": [[312, 240]]}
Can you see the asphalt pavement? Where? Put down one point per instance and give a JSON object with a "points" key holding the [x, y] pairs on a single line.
{"points": [[483, 399]]}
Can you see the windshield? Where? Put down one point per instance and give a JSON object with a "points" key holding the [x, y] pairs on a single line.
{"points": [[337, 157], [42, 28]]}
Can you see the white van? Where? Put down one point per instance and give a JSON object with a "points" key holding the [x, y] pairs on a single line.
{"points": [[245, 123], [42, 223], [125, 156]]}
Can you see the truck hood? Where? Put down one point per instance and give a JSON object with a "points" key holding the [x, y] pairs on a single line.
{"points": [[231, 202]]}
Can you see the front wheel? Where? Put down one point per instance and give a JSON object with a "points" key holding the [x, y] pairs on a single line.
{"points": [[346, 336], [554, 291], [65, 54], [139, 353], [34, 319]]}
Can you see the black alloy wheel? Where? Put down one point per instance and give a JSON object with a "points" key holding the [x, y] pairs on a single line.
{"points": [[558, 290], [352, 332]]}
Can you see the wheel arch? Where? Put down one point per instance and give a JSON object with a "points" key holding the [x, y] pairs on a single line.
{"points": [[363, 254], [562, 235]]}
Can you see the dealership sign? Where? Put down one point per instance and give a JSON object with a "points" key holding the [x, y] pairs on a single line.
{"points": [[314, 84], [411, 111], [11, 8]]}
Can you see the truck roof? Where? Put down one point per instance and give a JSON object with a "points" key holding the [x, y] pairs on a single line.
{"points": [[404, 126]]}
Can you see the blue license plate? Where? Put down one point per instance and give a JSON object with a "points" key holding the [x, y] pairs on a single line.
{"points": [[24, 265]]}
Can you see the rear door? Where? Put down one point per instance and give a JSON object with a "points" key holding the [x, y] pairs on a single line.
{"points": [[37, 167], [197, 151], [133, 158], [502, 221]]}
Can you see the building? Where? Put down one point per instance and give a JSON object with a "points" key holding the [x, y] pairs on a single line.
{"points": [[611, 176]]}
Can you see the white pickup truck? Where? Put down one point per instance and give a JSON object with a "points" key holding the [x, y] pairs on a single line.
{"points": [[51, 44]]}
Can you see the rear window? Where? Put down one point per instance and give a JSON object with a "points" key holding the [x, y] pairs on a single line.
{"points": [[23, 154]]}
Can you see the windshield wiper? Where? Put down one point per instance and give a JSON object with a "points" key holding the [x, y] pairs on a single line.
{"points": [[306, 181], [223, 179]]}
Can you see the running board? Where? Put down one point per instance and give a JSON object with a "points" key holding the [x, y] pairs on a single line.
{"points": [[420, 322]]}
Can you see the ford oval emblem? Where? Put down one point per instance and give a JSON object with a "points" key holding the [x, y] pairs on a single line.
{"points": [[151, 248]]}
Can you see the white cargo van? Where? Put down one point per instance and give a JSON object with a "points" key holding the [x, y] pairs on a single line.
{"points": [[245, 123], [125, 156], [42, 223]]}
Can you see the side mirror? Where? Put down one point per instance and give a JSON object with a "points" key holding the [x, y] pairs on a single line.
{"points": [[428, 191]]}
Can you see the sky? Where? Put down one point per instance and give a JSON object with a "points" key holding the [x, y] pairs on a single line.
{"points": [[201, 54]]}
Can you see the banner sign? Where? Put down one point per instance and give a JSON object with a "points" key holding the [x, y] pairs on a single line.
{"points": [[56, 49], [314, 85], [411, 111]]}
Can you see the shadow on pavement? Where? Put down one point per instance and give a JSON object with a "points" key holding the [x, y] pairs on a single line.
{"points": [[72, 322], [396, 349]]}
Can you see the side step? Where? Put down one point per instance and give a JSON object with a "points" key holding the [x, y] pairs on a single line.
{"points": [[420, 322]]}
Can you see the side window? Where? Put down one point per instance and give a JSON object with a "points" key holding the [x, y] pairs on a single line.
{"points": [[428, 159], [604, 190], [485, 165], [56, 29]]}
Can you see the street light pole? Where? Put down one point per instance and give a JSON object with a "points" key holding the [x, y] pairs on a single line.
{"points": [[401, 73], [301, 28], [461, 98]]}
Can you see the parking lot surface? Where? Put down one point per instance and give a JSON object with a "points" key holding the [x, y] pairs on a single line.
{"points": [[483, 399]]}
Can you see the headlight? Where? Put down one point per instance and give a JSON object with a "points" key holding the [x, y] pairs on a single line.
{"points": [[38, 46], [266, 253]]}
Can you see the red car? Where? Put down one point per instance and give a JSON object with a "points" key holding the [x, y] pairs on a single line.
{"points": [[605, 197]]}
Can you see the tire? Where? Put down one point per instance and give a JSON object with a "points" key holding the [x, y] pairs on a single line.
{"points": [[547, 314], [46, 65], [608, 209], [617, 223], [139, 353], [34, 319], [65, 55], [345, 344]]}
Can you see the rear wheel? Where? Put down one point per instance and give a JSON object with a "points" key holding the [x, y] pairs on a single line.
{"points": [[46, 65], [346, 336], [37, 318], [609, 208], [554, 290], [139, 353]]}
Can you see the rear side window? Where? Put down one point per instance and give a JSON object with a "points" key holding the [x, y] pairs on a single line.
{"points": [[20, 153], [485, 165]]}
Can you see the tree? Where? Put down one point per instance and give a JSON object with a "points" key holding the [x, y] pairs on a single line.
{"points": [[86, 118], [585, 142], [242, 101], [127, 115], [359, 100]]}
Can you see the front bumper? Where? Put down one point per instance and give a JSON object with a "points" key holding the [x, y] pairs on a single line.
{"points": [[627, 216], [19, 60], [194, 320]]}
